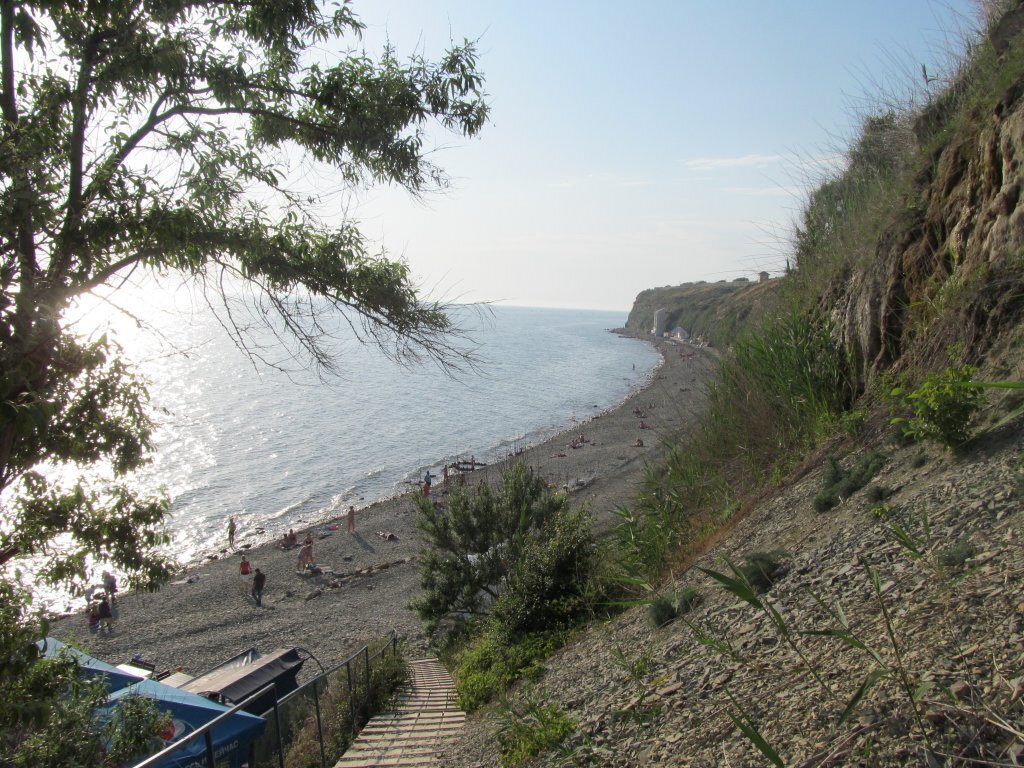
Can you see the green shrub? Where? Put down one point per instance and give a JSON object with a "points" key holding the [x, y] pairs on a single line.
{"points": [[493, 662], [942, 407], [529, 729], [668, 607], [840, 485], [473, 543], [762, 569], [877, 493], [548, 584], [956, 554]]}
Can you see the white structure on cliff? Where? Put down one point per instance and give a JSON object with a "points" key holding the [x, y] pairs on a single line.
{"points": [[660, 318]]}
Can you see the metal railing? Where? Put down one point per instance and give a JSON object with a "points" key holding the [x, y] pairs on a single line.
{"points": [[275, 743]]}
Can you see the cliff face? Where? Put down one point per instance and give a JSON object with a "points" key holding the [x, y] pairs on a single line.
{"points": [[949, 271], [716, 311]]}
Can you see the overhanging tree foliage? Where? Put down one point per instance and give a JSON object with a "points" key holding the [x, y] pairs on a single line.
{"points": [[158, 135], [169, 136]]}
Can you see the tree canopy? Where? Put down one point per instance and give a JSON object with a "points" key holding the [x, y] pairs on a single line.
{"points": [[165, 136], [475, 541], [171, 136]]}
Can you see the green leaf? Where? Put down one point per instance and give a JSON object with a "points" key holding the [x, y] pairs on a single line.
{"points": [[746, 725], [737, 587], [839, 634], [870, 682], [923, 690]]}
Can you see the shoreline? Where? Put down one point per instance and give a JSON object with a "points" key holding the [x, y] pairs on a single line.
{"points": [[258, 537], [205, 616]]}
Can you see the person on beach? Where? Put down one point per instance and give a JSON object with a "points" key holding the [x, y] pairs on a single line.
{"points": [[231, 532], [105, 615], [426, 483], [93, 612], [306, 553], [110, 585], [351, 517], [258, 581], [244, 568], [293, 539]]}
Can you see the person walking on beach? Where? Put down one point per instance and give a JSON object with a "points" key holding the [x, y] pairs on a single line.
{"points": [[351, 519], [231, 532], [258, 581], [110, 585], [106, 616]]}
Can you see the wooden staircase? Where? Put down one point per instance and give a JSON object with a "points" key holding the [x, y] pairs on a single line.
{"points": [[414, 734]]}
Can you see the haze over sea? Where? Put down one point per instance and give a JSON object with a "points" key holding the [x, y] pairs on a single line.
{"points": [[281, 451]]}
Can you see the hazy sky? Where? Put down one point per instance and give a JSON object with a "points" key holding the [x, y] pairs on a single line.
{"points": [[641, 144]]}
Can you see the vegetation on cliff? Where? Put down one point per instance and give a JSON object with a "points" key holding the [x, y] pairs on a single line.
{"points": [[903, 298]]}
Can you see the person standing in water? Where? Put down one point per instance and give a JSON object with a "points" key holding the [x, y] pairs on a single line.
{"points": [[231, 532]]}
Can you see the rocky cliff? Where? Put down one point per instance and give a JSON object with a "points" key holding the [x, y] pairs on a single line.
{"points": [[718, 312]]}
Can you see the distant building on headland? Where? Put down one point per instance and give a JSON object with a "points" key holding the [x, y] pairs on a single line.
{"points": [[680, 333], [763, 277], [660, 321]]}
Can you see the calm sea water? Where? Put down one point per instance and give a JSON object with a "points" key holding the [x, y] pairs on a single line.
{"points": [[280, 451]]}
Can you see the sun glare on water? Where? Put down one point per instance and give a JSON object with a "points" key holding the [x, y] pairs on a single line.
{"points": [[134, 315]]}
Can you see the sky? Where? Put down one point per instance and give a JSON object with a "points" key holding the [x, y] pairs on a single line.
{"points": [[644, 144]]}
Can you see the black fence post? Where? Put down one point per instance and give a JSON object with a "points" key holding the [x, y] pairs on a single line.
{"points": [[351, 696], [208, 736], [366, 655], [319, 726], [280, 736]]}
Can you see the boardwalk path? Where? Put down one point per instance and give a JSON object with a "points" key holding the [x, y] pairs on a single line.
{"points": [[415, 732]]}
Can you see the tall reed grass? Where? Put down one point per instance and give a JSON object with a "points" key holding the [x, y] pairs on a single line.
{"points": [[779, 389]]}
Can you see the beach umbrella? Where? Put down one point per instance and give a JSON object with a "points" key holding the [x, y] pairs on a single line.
{"points": [[114, 679], [189, 712]]}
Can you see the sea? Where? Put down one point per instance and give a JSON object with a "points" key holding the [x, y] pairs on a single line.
{"points": [[279, 446]]}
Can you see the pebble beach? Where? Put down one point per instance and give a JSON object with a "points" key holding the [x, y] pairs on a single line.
{"points": [[205, 615]]}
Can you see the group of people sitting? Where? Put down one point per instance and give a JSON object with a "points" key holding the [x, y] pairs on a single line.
{"points": [[288, 540]]}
